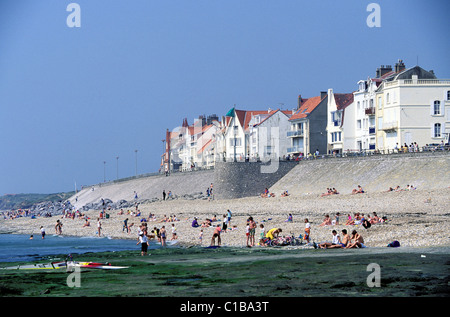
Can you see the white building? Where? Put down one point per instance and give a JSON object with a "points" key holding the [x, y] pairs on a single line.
{"points": [[412, 106], [341, 122], [364, 136], [252, 134], [267, 134], [191, 146]]}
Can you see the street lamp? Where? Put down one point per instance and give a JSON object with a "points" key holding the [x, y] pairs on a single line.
{"points": [[135, 151], [104, 171], [117, 158]]}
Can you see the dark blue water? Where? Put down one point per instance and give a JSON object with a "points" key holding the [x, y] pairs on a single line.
{"points": [[18, 247]]}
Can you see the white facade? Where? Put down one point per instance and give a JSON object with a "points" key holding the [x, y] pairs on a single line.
{"points": [[413, 110], [364, 113], [267, 135], [341, 121]]}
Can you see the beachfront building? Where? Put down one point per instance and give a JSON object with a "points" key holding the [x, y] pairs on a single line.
{"points": [[267, 135], [190, 146], [364, 114], [307, 133], [341, 122], [255, 134], [412, 106]]}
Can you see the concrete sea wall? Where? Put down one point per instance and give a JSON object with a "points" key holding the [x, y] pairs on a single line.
{"points": [[244, 179], [373, 173]]}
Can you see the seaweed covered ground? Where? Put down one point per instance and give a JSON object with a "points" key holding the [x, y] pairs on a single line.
{"points": [[244, 272]]}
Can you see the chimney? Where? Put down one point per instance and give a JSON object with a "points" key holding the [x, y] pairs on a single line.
{"points": [[323, 94], [399, 66], [383, 70], [300, 101]]}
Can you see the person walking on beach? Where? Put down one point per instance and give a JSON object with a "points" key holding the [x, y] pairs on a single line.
{"points": [[225, 223], [229, 217], [58, 227], [162, 233], [307, 230], [99, 226], [125, 225], [174, 232], [143, 240]]}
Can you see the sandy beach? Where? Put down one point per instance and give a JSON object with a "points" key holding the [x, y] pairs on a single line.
{"points": [[417, 218]]}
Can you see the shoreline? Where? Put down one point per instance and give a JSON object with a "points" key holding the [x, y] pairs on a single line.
{"points": [[414, 218]]}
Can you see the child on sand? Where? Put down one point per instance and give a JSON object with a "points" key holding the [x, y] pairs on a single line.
{"points": [[174, 232], [262, 234], [200, 236], [307, 230]]}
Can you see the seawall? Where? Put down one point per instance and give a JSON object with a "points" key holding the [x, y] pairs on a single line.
{"points": [[243, 179], [146, 188], [373, 173]]}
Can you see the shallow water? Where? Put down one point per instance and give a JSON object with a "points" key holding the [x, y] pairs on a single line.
{"points": [[19, 247]]}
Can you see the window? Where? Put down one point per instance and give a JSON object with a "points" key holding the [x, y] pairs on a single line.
{"points": [[437, 130], [437, 107], [268, 150], [358, 124], [235, 142], [387, 98], [448, 95]]}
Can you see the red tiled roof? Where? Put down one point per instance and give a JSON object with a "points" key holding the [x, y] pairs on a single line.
{"points": [[306, 108], [244, 116], [343, 100], [271, 113]]}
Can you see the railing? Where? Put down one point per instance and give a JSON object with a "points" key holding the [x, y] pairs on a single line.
{"points": [[417, 82], [295, 149], [295, 133], [390, 125], [370, 111]]}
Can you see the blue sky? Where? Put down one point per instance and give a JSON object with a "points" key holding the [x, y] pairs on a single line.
{"points": [[72, 98]]}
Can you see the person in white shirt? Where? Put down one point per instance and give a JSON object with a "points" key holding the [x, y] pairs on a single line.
{"points": [[335, 242], [174, 232], [143, 240]]}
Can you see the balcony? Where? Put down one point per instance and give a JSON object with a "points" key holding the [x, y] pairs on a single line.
{"points": [[390, 126], [295, 133], [295, 149], [370, 111]]}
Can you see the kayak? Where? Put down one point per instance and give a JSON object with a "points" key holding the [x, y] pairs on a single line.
{"points": [[38, 266], [94, 265], [63, 264]]}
